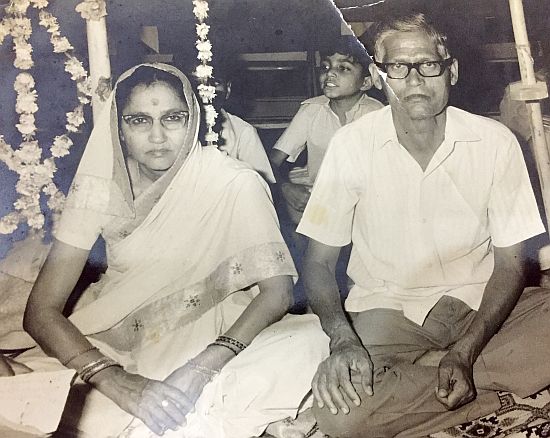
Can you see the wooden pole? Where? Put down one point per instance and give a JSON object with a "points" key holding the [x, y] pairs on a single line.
{"points": [[100, 65], [530, 91]]}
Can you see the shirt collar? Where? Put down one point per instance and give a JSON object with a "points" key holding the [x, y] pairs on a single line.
{"points": [[456, 128]]}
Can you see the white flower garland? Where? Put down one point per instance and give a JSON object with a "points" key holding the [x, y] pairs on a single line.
{"points": [[35, 174], [204, 71]]}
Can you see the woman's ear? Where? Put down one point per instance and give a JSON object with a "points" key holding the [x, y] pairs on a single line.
{"points": [[375, 77], [121, 136]]}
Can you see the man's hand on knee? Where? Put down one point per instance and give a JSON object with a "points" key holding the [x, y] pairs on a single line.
{"points": [[332, 383], [455, 381]]}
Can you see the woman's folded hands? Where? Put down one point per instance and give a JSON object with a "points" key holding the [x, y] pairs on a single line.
{"points": [[159, 405]]}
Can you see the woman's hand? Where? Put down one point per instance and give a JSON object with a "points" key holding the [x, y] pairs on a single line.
{"points": [[159, 405], [192, 377], [9, 367]]}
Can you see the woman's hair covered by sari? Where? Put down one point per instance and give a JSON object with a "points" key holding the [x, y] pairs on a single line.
{"points": [[201, 232]]}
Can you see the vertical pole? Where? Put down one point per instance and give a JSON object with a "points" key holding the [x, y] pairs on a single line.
{"points": [[533, 107], [100, 65]]}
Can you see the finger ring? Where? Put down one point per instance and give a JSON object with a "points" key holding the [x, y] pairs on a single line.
{"points": [[164, 403]]}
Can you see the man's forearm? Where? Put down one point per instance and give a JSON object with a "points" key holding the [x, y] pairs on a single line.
{"points": [[324, 299], [500, 297]]}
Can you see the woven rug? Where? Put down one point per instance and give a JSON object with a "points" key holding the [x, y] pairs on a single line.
{"points": [[516, 418]]}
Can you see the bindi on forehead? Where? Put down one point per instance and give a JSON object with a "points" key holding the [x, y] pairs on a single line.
{"points": [[155, 101]]}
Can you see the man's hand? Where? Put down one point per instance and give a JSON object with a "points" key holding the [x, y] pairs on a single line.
{"points": [[296, 195], [456, 382], [333, 379]]}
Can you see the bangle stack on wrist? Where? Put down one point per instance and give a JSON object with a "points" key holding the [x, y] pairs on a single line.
{"points": [[207, 372], [91, 369], [70, 359], [232, 344]]}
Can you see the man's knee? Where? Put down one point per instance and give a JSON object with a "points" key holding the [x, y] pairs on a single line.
{"points": [[360, 422]]}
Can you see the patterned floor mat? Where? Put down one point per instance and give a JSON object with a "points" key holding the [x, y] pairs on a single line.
{"points": [[517, 418]]}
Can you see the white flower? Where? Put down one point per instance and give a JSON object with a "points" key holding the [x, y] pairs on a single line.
{"points": [[61, 145], [21, 27], [205, 50], [211, 137], [75, 68], [23, 82], [18, 7], [56, 201], [23, 55], [36, 220], [210, 115], [75, 119], [206, 92], [5, 29], [92, 9], [7, 155], [26, 124], [9, 223], [50, 189], [202, 30], [25, 185], [39, 4], [26, 102], [48, 21], [61, 44], [201, 9], [29, 152], [27, 202], [204, 71]]}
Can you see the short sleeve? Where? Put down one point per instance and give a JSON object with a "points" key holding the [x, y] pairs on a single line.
{"points": [[79, 227], [293, 141], [251, 150], [513, 211], [328, 216]]}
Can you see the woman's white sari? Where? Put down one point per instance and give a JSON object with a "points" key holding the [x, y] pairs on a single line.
{"points": [[183, 260]]}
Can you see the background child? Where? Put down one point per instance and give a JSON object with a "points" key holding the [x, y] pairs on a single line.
{"points": [[344, 79]]}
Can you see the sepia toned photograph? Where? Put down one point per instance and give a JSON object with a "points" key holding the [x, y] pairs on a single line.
{"points": [[274, 218]]}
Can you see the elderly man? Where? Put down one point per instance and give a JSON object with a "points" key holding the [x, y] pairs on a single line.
{"points": [[437, 203]]}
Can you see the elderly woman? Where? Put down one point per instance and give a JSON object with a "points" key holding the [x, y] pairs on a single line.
{"points": [[197, 269]]}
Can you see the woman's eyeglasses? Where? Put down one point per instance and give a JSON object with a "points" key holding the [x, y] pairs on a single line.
{"points": [[144, 122], [428, 69]]}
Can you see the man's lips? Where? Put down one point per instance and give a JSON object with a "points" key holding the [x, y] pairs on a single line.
{"points": [[416, 97]]}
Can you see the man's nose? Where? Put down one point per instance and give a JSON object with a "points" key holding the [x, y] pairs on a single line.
{"points": [[414, 77], [331, 72], [157, 134]]}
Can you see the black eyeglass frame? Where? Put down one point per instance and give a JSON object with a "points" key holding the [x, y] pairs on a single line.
{"points": [[443, 65]]}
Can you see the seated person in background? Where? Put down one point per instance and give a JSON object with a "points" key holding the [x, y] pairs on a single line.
{"points": [[197, 269], [437, 203], [239, 139], [344, 79]]}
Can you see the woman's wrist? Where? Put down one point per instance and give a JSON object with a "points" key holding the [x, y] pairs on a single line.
{"points": [[105, 377], [215, 357]]}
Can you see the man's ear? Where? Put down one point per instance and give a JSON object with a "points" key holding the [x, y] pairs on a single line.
{"points": [[367, 83], [375, 77], [454, 71]]}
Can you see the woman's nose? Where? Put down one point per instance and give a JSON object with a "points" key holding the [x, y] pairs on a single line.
{"points": [[157, 134]]}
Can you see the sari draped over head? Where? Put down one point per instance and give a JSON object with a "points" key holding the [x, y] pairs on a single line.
{"points": [[188, 250]]}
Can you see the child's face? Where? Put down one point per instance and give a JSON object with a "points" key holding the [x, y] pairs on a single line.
{"points": [[342, 78]]}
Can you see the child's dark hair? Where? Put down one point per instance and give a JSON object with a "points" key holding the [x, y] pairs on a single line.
{"points": [[350, 46], [146, 75]]}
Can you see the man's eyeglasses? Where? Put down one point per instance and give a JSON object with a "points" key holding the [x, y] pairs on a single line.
{"points": [[428, 69], [143, 122]]}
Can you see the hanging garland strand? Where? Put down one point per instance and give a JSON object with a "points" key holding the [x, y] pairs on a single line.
{"points": [[204, 71], [36, 175]]}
